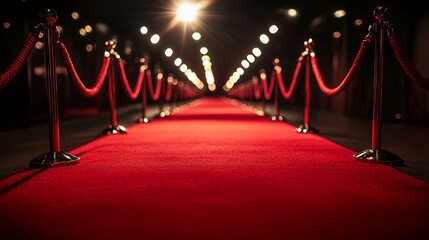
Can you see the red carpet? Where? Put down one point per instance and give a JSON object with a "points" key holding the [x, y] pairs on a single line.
{"points": [[214, 171]]}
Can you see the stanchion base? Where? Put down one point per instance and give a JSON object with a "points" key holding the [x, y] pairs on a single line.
{"points": [[165, 113], [51, 159], [118, 129], [304, 128], [144, 120], [279, 118], [260, 112], [378, 156]]}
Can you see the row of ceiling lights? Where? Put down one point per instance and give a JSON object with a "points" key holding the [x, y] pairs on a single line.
{"points": [[291, 13], [250, 58], [187, 12], [184, 14], [189, 73]]}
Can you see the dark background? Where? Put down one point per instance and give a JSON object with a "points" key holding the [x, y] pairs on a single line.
{"points": [[230, 29]]}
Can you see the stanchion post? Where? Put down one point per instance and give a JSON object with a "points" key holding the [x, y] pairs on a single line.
{"points": [[256, 83], [55, 156], [170, 80], [276, 116], [306, 127], [174, 96], [173, 103], [262, 104], [160, 77], [114, 127], [263, 100], [144, 118], [375, 154]]}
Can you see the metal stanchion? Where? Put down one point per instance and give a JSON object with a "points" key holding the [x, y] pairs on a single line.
{"points": [[169, 81], [256, 83], [376, 154], [160, 77], [55, 156], [263, 100], [144, 118], [114, 127], [175, 97], [306, 127], [276, 115]]}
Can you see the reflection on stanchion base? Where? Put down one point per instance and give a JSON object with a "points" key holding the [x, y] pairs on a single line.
{"points": [[144, 120], [378, 156], [165, 113], [118, 129], [279, 118], [305, 128], [51, 159], [260, 112]]}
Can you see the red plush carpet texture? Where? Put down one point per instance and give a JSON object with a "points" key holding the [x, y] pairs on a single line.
{"points": [[214, 170]]}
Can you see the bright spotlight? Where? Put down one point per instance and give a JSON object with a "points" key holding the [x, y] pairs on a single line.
{"points": [[257, 52], [187, 12], [144, 30], [235, 76], [183, 68], [339, 13], [204, 50], [245, 64], [155, 39], [264, 38], [251, 58], [168, 52], [292, 12], [273, 29], [196, 36], [177, 62]]}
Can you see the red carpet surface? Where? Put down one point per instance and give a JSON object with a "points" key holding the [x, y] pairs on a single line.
{"points": [[214, 170]]}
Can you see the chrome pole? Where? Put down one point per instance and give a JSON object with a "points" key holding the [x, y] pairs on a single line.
{"points": [[376, 154], [276, 116], [144, 118], [55, 156], [114, 127], [306, 128]]}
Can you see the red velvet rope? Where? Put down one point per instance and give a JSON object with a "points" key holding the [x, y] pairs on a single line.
{"points": [[180, 90], [268, 91], [288, 93], [183, 90], [132, 95], [87, 92], [19, 61], [169, 92], [153, 93], [257, 91], [346, 81], [406, 64]]}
